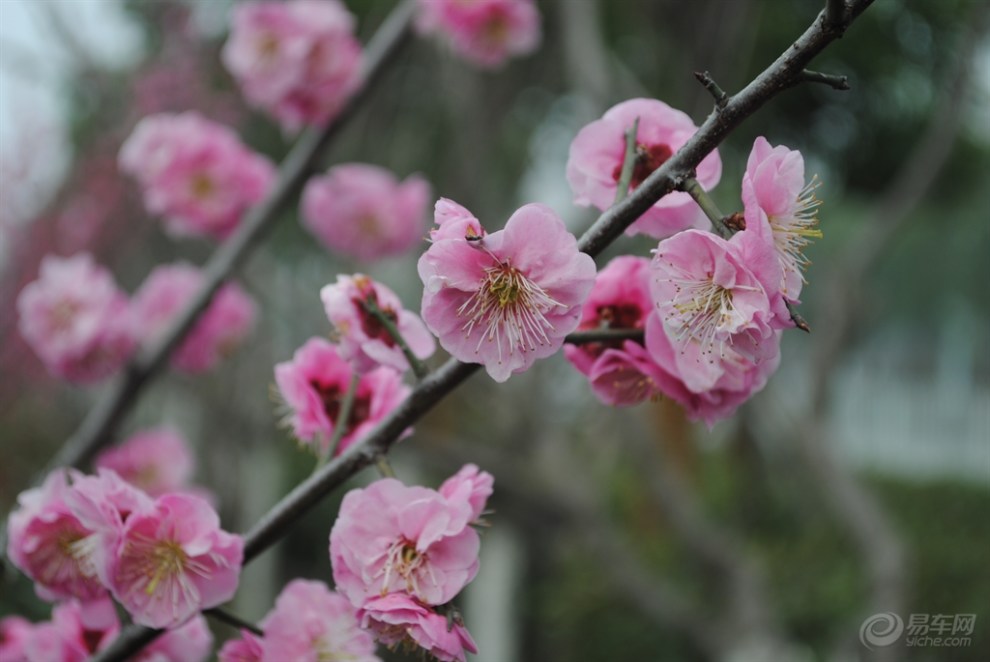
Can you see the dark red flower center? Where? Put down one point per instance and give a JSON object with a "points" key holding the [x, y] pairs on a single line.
{"points": [[332, 396], [614, 316], [648, 159], [371, 325]]}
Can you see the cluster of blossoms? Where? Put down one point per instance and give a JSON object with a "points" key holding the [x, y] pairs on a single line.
{"points": [[298, 60], [485, 32], [84, 328], [195, 173], [365, 366], [84, 538], [401, 554]]}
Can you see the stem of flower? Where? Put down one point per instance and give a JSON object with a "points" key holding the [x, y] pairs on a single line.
{"points": [[343, 418], [628, 163], [232, 620], [694, 189], [383, 466], [418, 367]]}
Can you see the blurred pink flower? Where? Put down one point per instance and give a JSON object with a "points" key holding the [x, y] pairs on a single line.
{"points": [[298, 60], [397, 618], [311, 623], [470, 485], [14, 633], [190, 642], [196, 173], [508, 298], [73, 318], [313, 385], [362, 339], [74, 634], [217, 333], [485, 32], [174, 561], [392, 538], [597, 152], [157, 460], [364, 212], [50, 545], [775, 194], [249, 648]]}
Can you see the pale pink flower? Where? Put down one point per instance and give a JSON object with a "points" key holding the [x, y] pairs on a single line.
{"points": [[311, 623], [174, 561], [73, 318], [218, 331], [485, 32], [298, 60], [595, 161], [364, 212], [362, 339], [156, 460], [392, 538], [190, 642], [50, 545], [619, 371], [75, 633], [249, 648], [196, 173], [454, 222], [471, 485], [14, 633], [397, 618], [775, 192], [508, 298]]}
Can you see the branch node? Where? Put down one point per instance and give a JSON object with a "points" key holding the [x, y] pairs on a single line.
{"points": [[835, 81], [721, 98], [799, 321]]}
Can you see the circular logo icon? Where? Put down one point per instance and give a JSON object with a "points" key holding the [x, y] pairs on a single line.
{"points": [[881, 630]]}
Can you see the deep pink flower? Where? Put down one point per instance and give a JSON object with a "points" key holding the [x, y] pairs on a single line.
{"points": [[14, 633], [507, 298], [174, 561], [73, 318], [298, 60], [776, 195], [362, 339], [397, 618], [597, 152], [220, 329], [74, 634], [393, 538], [311, 623], [485, 32], [619, 371], [313, 385], [249, 648], [190, 642], [471, 485], [196, 173], [156, 460], [50, 545], [362, 211]]}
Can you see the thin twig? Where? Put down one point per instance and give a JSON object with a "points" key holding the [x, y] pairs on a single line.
{"points": [[603, 335], [384, 466], [837, 81], [692, 187], [628, 163], [721, 98], [418, 367], [343, 419], [232, 620]]}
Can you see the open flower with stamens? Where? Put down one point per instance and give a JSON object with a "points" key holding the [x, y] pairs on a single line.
{"points": [[51, 545], [74, 634], [392, 538], [311, 623], [594, 164], [313, 386], [399, 620], [485, 32], [508, 298], [173, 561], [775, 193], [362, 338]]}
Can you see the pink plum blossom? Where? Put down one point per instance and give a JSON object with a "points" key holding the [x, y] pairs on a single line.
{"points": [[392, 538], [196, 173], [190, 642], [311, 623], [485, 32], [472, 485], [249, 648], [74, 634], [364, 212], [73, 317], [156, 460], [313, 386], [508, 298], [14, 633], [397, 618], [218, 331], [597, 152], [362, 339], [619, 371], [298, 60], [49, 544], [174, 561], [775, 194]]}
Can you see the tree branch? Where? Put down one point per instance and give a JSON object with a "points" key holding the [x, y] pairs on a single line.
{"points": [[833, 80], [721, 98]]}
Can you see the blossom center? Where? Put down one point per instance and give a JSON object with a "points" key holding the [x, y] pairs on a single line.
{"points": [[332, 396], [702, 311], [268, 46], [167, 560], [63, 313], [402, 560], [370, 324], [793, 231], [202, 186], [648, 159]]}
